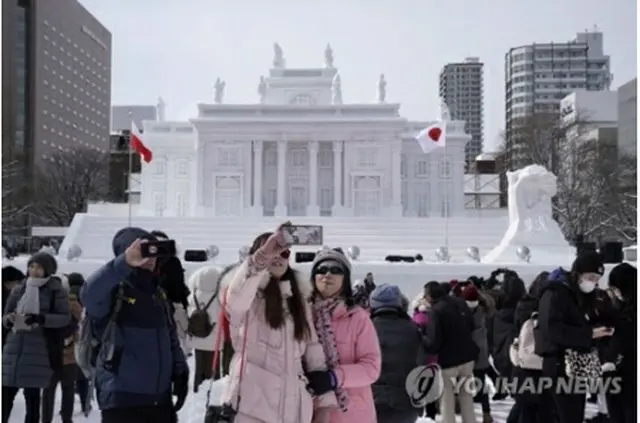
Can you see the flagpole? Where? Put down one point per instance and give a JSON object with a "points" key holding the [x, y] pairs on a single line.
{"points": [[130, 208], [446, 192]]}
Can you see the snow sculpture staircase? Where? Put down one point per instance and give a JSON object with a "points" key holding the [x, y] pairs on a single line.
{"points": [[376, 237]]}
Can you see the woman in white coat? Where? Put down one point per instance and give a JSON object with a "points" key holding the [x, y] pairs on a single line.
{"points": [[205, 288]]}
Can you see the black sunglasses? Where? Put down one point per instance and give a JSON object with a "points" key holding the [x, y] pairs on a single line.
{"points": [[333, 270]]}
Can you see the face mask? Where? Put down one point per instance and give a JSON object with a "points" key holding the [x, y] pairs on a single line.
{"points": [[472, 304], [587, 286]]}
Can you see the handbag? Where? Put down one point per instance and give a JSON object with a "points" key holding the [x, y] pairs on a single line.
{"points": [[224, 413], [582, 365]]}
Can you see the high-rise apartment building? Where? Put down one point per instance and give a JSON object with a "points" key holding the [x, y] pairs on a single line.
{"points": [[538, 76], [461, 88], [56, 79]]}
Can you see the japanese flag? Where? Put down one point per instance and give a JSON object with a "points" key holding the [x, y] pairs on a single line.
{"points": [[432, 137]]}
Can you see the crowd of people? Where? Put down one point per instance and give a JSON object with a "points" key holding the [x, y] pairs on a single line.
{"points": [[328, 349]]}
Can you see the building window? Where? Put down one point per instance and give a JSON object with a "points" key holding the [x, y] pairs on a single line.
{"points": [[160, 168], [228, 157], [325, 159], [444, 167], [158, 204], [271, 158], [183, 168], [422, 169], [303, 100], [368, 157], [403, 166], [298, 158]]}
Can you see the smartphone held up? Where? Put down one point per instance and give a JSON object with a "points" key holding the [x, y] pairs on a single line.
{"points": [[303, 234]]}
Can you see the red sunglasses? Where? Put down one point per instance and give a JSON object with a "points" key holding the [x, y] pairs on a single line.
{"points": [[285, 254]]}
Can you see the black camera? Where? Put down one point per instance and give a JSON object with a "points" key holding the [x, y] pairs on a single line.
{"points": [[220, 414]]}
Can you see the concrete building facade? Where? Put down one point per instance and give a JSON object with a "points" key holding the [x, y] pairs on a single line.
{"points": [[462, 88]]}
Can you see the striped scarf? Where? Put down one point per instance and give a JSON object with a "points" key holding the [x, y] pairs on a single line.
{"points": [[322, 310]]}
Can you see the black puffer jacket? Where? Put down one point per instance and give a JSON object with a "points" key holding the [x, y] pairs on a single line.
{"points": [[449, 332], [503, 328], [562, 324], [402, 350]]}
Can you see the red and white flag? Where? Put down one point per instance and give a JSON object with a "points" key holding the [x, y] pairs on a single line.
{"points": [[432, 137], [137, 145]]}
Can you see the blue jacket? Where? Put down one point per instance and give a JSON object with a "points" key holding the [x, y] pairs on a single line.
{"points": [[147, 352]]}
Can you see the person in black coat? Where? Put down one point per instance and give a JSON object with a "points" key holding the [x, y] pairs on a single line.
{"points": [[449, 334], [402, 351], [564, 325], [11, 277], [621, 358], [502, 328], [530, 407]]}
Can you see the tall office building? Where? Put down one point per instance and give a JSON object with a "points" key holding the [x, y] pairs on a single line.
{"points": [[538, 76], [461, 87], [56, 79]]}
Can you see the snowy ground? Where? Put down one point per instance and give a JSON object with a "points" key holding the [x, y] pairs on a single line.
{"points": [[193, 411]]}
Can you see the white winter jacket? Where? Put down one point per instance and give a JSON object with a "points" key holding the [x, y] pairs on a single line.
{"points": [[203, 284]]}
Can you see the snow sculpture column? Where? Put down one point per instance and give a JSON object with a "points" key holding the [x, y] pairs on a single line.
{"points": [[257, 178], [313, 209], [281, 207], [337, 178], [396, 178]]}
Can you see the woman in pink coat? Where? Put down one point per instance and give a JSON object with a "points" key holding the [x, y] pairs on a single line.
{"points": [[266, 300], [349, 340]]}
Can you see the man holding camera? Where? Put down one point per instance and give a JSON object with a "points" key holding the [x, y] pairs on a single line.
{"points": [[136, 374]]}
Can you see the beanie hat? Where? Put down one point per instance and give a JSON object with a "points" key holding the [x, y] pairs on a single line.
{"points": [[623, 277], [386, 297], [331, 255], [588, 262], [46, 261], [339, 257], [11, 274], [75, 279], [470, 293]]}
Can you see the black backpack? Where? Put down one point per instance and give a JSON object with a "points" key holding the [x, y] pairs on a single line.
{"points": [[200, 324]]}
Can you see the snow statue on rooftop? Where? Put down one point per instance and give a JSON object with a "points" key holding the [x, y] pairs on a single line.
{"points": [[530, 221], [336, 90], [278, 57], [328, 57], [445, 114], [262, 89], [382, 89], [218, 91]]}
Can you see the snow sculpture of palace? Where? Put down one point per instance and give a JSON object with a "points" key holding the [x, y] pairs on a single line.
{"points": [[300, 151]]}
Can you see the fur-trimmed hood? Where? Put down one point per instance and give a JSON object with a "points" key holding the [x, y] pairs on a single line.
{"points": [[419, 304], [229, 273]]}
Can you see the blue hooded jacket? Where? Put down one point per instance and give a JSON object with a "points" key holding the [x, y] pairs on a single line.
{"points": [[147, 352]]}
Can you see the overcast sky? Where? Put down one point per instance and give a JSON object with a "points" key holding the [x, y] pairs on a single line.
{"points": [[176, 49]]}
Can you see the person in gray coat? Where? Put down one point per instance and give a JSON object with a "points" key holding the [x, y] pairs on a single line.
{"points": [[482, 308], [36, 311]]}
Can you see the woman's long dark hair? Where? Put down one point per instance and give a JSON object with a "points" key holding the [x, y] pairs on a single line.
{"points": [[273, 312]]}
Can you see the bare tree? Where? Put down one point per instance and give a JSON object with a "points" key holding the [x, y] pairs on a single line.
{"points": [[14, 190], [67, 182], [596, 197], [619, 185]]}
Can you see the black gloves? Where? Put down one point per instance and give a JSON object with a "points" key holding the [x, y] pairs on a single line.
{"points": [[180, 389], [321, 381], [34, 319]]}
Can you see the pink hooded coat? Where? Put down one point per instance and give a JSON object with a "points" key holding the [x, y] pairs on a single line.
{"points": [[360, 361], [273, 388]]}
